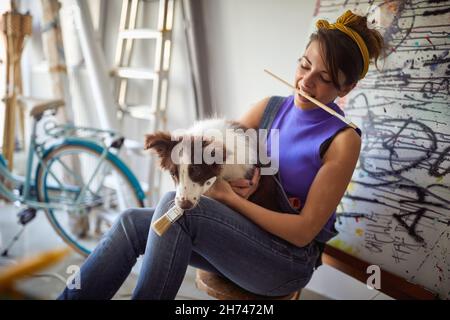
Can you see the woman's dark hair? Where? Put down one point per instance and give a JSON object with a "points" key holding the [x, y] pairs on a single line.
{"points": [[342, 53]]}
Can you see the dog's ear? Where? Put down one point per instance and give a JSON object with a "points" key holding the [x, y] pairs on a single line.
{"points": [[162, 144]]}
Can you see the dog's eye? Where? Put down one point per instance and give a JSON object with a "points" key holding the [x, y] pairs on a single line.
{"points": [[195, 169], [195, 172]]}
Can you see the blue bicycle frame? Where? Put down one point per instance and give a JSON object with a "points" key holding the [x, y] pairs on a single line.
{"points": [[28, 184]]}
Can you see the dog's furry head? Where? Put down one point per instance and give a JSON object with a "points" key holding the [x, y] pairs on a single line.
{"points": [[192, 175]]}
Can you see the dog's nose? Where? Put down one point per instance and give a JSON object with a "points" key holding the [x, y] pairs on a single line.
{"points": [[185, 204]]}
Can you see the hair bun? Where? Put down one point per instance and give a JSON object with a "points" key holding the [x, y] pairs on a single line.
{"points": [[373, 39]]}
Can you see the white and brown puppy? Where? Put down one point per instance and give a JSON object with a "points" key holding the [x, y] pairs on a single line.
{"points": [[211, 149]]}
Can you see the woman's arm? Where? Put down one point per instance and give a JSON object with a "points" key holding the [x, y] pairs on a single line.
{"points": [[323, 197]]}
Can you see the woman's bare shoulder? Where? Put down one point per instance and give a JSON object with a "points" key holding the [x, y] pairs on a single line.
{"points": [[346, 145], [252, 117]]}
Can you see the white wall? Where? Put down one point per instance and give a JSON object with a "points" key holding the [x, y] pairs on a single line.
{"points": [[246, 36]]}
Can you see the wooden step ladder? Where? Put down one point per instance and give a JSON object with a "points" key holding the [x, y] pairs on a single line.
{"points": [[153, 111]]}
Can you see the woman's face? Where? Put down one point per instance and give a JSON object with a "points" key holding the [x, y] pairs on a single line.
{"points": [[313, 79]]}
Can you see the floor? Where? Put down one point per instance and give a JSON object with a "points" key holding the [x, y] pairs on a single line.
{"points": [[327, 283]]}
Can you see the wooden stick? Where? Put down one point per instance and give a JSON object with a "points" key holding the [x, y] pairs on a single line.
{"points": [[316, 102]]}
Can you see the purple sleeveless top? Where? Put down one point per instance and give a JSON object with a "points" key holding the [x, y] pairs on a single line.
{"points": [[301, 133]]}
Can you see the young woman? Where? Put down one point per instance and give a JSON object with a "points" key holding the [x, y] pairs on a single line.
{"points": [[263, 251]]}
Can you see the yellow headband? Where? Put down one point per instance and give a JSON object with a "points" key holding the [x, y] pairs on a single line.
{"points": [[341, 25]]}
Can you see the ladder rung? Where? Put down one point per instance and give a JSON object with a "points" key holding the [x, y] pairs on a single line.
{"points": [[127, 106], [139, 34], [136, 73], [143, 107], [142, 112], [140, 116]]}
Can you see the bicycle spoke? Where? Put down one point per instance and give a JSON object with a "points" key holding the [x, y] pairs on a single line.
{"points": [[95, 196], [78, 178], [87, 186]]}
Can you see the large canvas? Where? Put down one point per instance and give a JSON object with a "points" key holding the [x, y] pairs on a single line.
{"points": [[395, 213]]}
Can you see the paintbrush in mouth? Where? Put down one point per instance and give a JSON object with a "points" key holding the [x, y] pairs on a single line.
{"points": [[315, 101]]}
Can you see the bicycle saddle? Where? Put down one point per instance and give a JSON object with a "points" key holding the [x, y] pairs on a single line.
{"points": [[40, 105]]}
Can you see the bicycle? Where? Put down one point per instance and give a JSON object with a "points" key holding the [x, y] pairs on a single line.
{"points": [[78, 180]]}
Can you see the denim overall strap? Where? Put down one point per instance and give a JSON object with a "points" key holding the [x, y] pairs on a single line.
{"points": [[271, 111], [268, 117]]}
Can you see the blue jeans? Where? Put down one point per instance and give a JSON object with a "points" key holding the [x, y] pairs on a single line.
{"points": [[210, 236]]}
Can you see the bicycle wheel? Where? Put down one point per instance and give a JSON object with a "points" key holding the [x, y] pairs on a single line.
{"points": [[95, 191]]}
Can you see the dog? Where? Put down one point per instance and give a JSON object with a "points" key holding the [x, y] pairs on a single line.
{"points": [[187, 157]]}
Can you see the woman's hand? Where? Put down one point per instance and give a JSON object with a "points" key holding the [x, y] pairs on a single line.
{"points": [[221, 191], [245, 188], [224, 191]]}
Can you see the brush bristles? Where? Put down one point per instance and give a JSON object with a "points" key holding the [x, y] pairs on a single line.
{"points": [[161, 225]]}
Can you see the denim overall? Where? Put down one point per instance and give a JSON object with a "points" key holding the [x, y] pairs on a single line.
{"points": [[266, 122]]}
